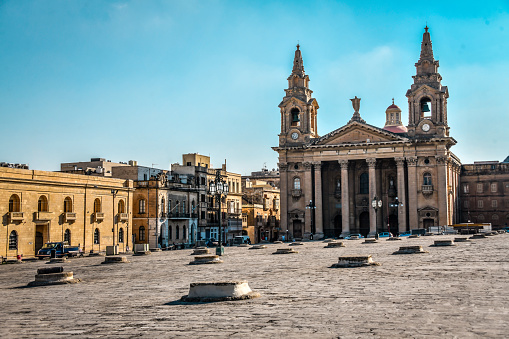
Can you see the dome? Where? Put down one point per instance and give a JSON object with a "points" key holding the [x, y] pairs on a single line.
{"points": [[393, 108], [396, 129]]}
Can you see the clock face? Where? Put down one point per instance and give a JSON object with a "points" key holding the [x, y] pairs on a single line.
{"points": [[295, 135], [425, 127]]}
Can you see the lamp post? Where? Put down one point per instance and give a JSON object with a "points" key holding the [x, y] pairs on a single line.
{"points": [[376, 203], [114, 194], [219, 188], [311, 208]]}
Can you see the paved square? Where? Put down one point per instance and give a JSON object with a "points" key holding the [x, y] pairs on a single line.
{"points": [[460, 291]]}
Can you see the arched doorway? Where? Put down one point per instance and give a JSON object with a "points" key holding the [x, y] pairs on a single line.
{"points": [[427, 223], [338, 226], [364, 223], [297, 229]]}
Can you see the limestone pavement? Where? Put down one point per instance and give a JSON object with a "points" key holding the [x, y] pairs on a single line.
{"points": [[451, 292]]}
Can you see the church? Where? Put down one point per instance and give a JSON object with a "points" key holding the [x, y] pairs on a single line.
{"points": [[364, 179]]}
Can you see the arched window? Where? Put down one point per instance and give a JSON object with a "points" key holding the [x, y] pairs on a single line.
{"points": [[364, 184], [494, 217], [192, 206], [67, 205], [169, 206], [296, 183], [67, 236], [13, 241], [121, 235], [295, 117], [42, 204], [426, 179], [97, 205], [14, 203], [184, 234], [121, 206], [183, 206], [163, 205], [177, 232], [425, 107], [141, 206], [170, 235], [97, 236]]}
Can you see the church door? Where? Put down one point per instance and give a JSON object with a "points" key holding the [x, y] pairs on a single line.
{"points": [[297, 229], [38, 241], [364, 223], [338, 226], [393, 224], [427, 223]]}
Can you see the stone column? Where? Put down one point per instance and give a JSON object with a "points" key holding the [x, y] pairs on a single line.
{"points": [[372, 193], [400, 164], [283, 201], [308, 195], [345, 201], [318, 201], [442, 191], [413, 218]]}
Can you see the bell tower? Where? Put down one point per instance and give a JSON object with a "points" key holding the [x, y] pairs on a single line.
{"points": [[427, 98], [298, 108]]}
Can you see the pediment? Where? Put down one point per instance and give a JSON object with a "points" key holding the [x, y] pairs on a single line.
{"points": [[356, 133], [293, 101]]}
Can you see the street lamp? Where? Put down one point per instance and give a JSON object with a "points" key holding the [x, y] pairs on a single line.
{"points": [[376, 204], [311, 208], [218, 188]]}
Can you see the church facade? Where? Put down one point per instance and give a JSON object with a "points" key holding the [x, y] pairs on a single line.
{"points": [[365, 179]]}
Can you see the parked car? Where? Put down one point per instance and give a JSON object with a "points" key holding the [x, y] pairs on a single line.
{"points": [[385, 235], [61, 249], [354, 235], [405, 234], [241, 239]]}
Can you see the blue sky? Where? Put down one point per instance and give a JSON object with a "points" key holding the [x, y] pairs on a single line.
{"points": [[151, 80]]}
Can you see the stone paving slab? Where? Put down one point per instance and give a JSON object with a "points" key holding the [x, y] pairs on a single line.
{"points": [[452, 292]]}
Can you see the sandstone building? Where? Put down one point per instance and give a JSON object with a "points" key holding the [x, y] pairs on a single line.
{"points": [[39, 206], [329, 183]]}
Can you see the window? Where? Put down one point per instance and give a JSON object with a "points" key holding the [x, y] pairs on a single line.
{"points": [[203, 198], [121, 206], [466, 188], [494, 187], [364, 183], [494, 217], [177, 232], [494, 203], [42, 204], [479, 188], [188, 163], [141, 206], [67, 236], [169, 206], [184, 233], [170, 232], [466, 204], [480, 204], [142, 233], [121, 235], [13, 241], [425, 107], [295, 117], [426, 179], [97, 236], [202, 180], [97, 205], [67, 205], [177, 206], [202, 215], [480, 217], [184, 206], [296, 183], [163, 205], [14, 203]]}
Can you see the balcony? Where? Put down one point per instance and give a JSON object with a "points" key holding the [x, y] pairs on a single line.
{"points": [[123, 217], [43, 216], [427, 189], [70, 216], [234, 211], [99, 216], [178, 215], [296, 193], [16, 216]]}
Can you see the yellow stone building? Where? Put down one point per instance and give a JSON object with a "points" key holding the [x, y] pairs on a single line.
{"points": [[38, 207]]}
